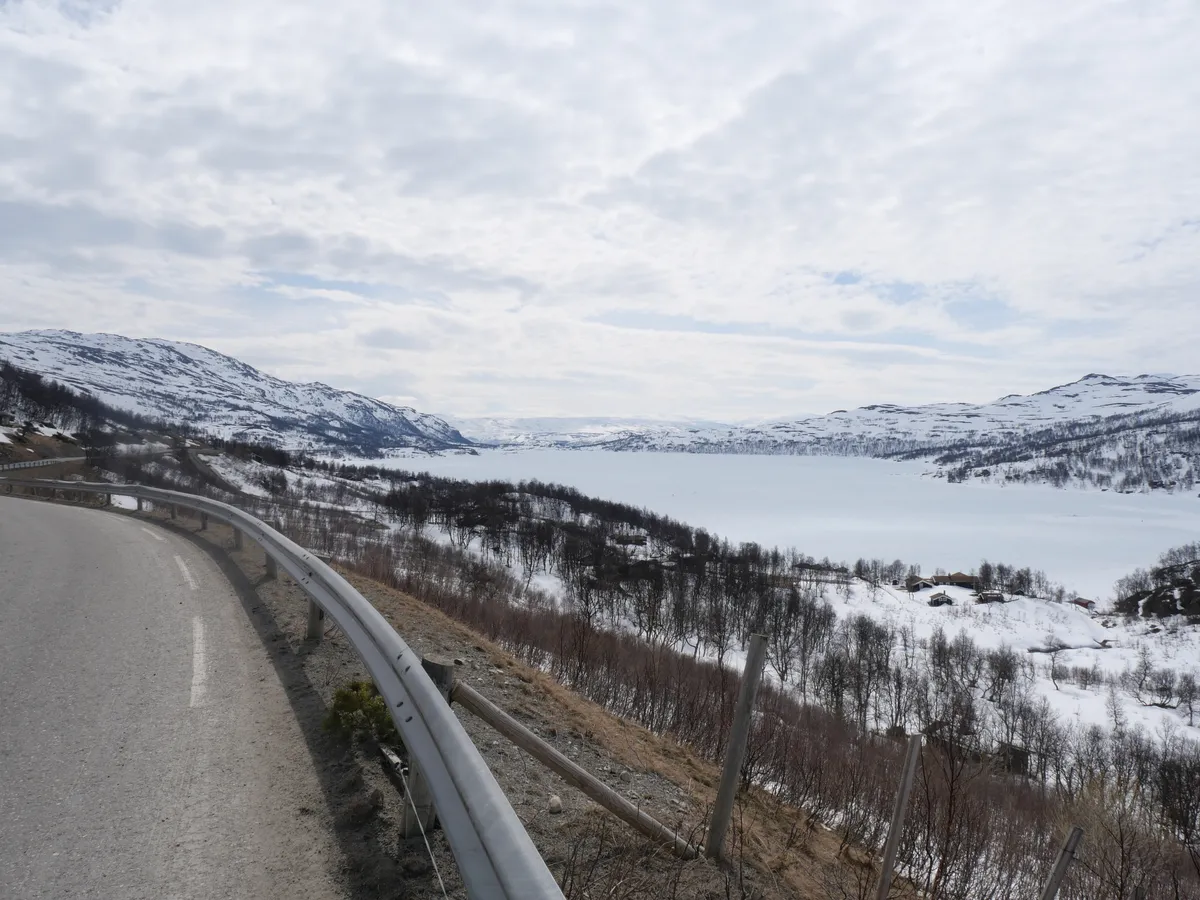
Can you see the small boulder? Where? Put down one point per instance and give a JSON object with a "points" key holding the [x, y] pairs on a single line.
{"points": [[555, 804], [416, 866]]}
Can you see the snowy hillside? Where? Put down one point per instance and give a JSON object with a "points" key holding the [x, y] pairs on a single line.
{"points": [[1059, 635], [182, 382]]}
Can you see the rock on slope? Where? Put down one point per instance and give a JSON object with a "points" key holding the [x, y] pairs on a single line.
{"points": [[181, 382]]}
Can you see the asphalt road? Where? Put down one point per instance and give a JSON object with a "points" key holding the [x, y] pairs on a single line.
{"points": [[147, 747]]}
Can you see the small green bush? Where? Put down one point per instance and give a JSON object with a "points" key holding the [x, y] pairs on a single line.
{"points": [[358, 712]]}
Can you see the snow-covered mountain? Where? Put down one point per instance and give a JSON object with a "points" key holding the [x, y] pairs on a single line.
{"points": [[879, 429], [181, 382], [1091, 398], [1127, 434]]}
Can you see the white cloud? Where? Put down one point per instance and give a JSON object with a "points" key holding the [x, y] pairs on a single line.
{"points": [[603, 208]]}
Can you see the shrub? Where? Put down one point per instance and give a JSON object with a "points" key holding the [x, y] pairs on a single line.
{"points": [[358, 712]]}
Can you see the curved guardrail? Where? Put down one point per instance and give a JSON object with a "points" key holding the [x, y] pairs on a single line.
{"points": [[494, 853], [48, 461]]}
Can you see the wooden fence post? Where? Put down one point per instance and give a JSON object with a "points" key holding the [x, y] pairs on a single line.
{"points": [[898, 813], [736, 751], [1064, 862]]}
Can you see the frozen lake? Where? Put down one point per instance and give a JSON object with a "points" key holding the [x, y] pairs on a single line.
{"points": [[845, 508]]}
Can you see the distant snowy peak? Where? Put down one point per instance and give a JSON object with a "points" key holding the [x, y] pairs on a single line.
{"points": [[578, 431], [188, 383]]}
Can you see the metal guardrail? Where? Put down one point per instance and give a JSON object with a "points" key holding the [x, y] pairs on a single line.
{"points": [[49, 461], [494, 853]]}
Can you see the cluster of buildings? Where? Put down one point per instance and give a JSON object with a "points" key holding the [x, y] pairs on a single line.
{"points": [[915, 583]]}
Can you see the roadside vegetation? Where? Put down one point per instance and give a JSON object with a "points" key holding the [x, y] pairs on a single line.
{"points": [[358, 712]]}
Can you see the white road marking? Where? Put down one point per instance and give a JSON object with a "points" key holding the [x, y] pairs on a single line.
{"points": [[187, 576], [154, 534], [199, 663]]}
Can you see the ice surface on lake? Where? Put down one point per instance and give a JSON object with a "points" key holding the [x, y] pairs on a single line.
{"points": [[845, 508]]}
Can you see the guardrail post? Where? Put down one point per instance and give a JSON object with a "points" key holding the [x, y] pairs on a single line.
{"points": [[419, 814], [237, 538], [315, 617], [272, 567], [898, 814], [1064, 861], [173, 511], [139, 504], [203, 521], [736, 751], [441, 672]]}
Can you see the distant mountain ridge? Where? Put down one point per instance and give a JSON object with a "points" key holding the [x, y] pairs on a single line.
{"points": [[182, 382], [1092, 398], [1134, 433], [1122, 433], [875, 430], [564, 431]]}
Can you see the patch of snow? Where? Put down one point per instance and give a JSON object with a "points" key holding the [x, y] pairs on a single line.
{"points": [[142, 448], [548, 584]]}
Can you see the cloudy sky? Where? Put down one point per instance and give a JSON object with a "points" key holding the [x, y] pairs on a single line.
{"points": [[722, 210]]}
